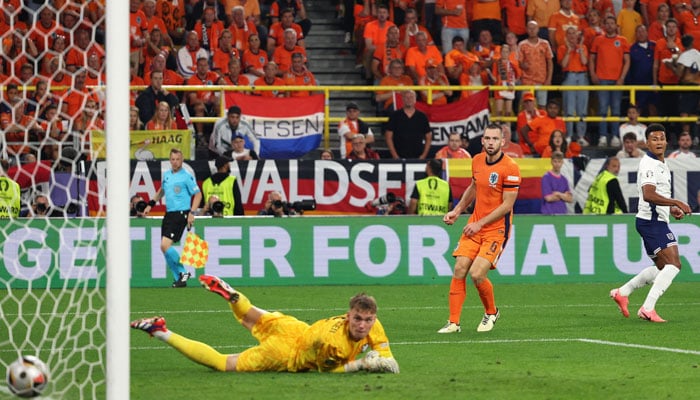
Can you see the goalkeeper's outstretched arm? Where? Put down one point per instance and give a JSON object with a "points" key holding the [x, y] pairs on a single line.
{"points": [[373, 362]]}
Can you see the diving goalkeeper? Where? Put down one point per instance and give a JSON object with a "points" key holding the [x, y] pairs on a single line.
{"points": [[287, 344]]}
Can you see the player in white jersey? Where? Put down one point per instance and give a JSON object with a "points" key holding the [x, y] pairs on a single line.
{"points": [[655, 206]]}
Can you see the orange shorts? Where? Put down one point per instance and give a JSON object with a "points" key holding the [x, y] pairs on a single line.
{"points": [[488, 245]]}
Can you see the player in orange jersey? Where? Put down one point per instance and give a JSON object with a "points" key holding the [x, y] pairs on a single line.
{"points": [[495, 183]]}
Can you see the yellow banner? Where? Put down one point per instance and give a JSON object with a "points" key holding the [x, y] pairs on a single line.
{"points": [[145, 145], [529, 167]]}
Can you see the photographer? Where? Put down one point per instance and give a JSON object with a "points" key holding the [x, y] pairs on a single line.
{"points": [[214, 207], [138, 206], [389, 204], [223, 186], [274, 205]]}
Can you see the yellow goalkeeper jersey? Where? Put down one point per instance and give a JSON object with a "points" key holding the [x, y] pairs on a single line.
{"points": [[325, 346]]}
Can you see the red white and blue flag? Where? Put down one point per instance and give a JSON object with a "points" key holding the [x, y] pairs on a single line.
{"points": [[287, 128]]}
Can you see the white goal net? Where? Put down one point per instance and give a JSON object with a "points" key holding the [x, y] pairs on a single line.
{"points": [[55, 275]]}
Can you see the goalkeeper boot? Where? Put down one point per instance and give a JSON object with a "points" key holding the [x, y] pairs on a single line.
{"points": [[150, 325], [182, 280], [649, 315], [622, 302], [488, 322], [217, 285], [450, 327]]}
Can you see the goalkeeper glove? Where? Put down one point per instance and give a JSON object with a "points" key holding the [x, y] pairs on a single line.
{"points": [[373, 362]]}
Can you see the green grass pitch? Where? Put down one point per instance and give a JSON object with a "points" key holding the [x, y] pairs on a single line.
{"points": [[553, 341]]}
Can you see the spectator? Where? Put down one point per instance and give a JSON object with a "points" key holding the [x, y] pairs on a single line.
{"points": [[512, 150], [558, 143], [45, 29], [431, 195], [608, 66], [135, 123], [155, 22], [222, 55], [411, 26], [188, 55], [453, 149], [528, 113], [138, 29], [253, 13], [163, 118], [555, 188], [374, 35], [152, 95], [486, 16], [54, 132], [270, 79], [16, 49], [537, 132], [360, 151], [277, 31], [10, 194], [59, 80], [486, 50], [684, 145], [594, 28], [239, 152], [433, 77], [536, 60], [657, 28], [514, 18], [298, 11], [89, 119], [605, 194], [159, 64], [385, 53], [454, 21], [233, 76], [475, 76], [227, 128], [459, 60], [196, 10], [633, 125], [283, 54], [505, 72], [417, 57], [96, 74], [326, 154], [299, 75], [223, 185], [396, 77], [254, 58], [242, 29], [666, 49], [539, 12], [431, 20], [688, 21], [687, 69], [560, 22], [628, 20], [573, 58], [203, 103], [629, 147], [408, 133], [209, 29], [350, 127], [74, 100], [641, 73], [173, 14], [83, 48]]}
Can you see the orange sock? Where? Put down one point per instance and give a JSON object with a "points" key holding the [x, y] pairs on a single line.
{"points": [[485, 289], [458, 292]]}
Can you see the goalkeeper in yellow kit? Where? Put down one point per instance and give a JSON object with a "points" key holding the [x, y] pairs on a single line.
{"points": [[287, 344]]}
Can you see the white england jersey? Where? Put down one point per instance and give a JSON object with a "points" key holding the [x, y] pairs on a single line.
{"points": [[653, 171]]}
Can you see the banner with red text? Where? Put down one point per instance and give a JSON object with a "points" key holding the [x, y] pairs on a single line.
{"points": [[287, 128]]}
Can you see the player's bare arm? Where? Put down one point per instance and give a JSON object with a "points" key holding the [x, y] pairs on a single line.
{"points": [[651, 196], [466, 199], [498, 213]]}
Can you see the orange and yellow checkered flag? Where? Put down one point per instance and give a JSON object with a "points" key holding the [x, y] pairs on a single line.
{"points": [[195, 252]]}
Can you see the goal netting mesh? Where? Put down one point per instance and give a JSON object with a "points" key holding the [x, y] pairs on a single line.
{"points": [[52, 270]]}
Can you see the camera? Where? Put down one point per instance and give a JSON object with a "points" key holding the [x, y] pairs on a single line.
{"points": [[141, 206], [386, 199], [41, 207], [217, 209], [296, 208]]}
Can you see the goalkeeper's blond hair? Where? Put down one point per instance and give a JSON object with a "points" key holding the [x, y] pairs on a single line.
{"points": [[363, 302]]}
